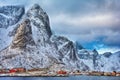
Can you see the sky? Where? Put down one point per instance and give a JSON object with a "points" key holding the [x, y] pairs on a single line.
{"points": [[95, 24]]}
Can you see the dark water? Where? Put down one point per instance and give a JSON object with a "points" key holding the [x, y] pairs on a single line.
{"points": [[62, 78]]}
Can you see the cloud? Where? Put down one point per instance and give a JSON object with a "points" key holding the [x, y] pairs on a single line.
{"points": [[112, 50], [97, 20], [112, 39], [91, 22]]}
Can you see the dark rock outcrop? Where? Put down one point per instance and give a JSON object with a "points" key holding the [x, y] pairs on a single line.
{"points": [[107, 54]]}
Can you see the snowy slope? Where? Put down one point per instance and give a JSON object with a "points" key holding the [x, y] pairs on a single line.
{"points": [[111, 63], [101, 62]]}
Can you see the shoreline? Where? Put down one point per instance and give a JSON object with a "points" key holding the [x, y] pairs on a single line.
{"points": [[53, 74]]}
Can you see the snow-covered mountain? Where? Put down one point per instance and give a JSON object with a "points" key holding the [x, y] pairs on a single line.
{"points": [[29, 42], [111, 62], [26, 40], [100, 62]]}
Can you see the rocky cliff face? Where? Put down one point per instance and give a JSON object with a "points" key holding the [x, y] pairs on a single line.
{"points": [[9, 18], [34, 46], [23, 37], [40, 24], [65, 47]]}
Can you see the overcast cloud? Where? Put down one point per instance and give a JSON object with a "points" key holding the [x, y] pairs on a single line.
{"points": [[91, 22]]}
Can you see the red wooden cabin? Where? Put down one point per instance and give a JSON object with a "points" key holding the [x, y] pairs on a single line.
{"points": [[61, 72], [14, 70]]}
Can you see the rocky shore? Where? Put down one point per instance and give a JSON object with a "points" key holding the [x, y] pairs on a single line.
{"points": [[61, 73]]}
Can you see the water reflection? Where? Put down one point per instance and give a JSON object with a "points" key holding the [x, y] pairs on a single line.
{"points": [[62, 78]]}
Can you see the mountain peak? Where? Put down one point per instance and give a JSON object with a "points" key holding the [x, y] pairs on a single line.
{"points": [[36, 6], [40, 24]]}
